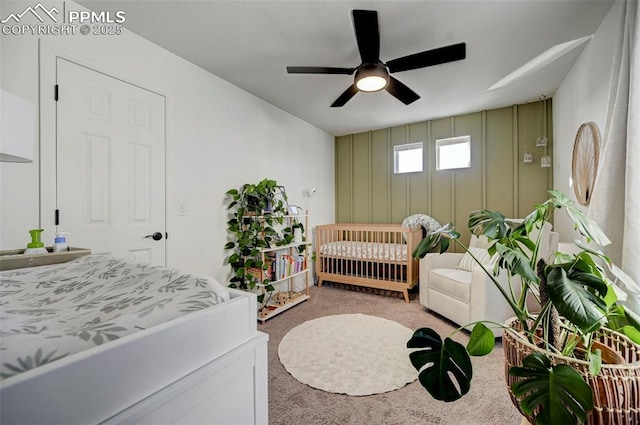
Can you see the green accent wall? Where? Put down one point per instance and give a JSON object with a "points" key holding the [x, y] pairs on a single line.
{"points": [[367, 190]]}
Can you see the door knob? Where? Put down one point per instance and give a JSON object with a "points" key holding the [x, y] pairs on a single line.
{"points": [[156, 236]]}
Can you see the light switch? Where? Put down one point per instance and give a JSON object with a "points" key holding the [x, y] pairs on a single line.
{"points": [[182, 208]]}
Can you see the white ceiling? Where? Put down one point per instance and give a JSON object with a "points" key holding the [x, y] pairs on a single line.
{"points": [[250, 43]]}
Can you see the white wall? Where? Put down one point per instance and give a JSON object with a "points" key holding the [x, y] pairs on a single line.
{"points": [[219, 137], [582, 97]]}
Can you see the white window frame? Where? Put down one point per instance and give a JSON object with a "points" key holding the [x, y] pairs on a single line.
{"points": [[460, 140], [407, 147]]}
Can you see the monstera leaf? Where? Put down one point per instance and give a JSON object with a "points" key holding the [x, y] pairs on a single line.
{"points": [[584, 224], [492, 224], [560, 393], [438, 238], [439, 364], [626, 321], [575, 296], [515, 261], [481, 340]]}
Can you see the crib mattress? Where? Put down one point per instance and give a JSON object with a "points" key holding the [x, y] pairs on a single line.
{"points": [[49, 313], [369, 251]]}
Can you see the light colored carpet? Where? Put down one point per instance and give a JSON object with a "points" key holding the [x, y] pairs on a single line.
{"points": [[353, 354], [292, 402]]}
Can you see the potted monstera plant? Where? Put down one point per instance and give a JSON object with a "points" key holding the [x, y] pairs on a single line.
{"points": [[556, 362]]}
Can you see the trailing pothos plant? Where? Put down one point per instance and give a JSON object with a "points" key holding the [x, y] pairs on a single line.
{"points": [[258, 211], [576, 287]]}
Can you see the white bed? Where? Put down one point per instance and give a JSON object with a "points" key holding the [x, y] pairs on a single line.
{"points": [[199, 365]]}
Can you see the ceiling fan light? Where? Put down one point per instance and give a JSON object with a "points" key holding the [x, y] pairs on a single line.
{"points": [[372, 83], [371, 77]]}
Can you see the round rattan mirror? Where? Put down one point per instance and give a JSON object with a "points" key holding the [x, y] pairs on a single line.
{"points": [[584, 167]]}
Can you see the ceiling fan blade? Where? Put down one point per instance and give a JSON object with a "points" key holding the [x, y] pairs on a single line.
{"points": [[365, 24], [437, 56], [345, 96], [401, 92], [319, 70]]}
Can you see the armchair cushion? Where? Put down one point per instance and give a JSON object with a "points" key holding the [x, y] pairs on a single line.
{"points": [[431, 261], [455, 283], [448, 260]]}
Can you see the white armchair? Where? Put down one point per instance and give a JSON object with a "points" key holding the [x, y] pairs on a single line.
{"points": [[464, 296]]}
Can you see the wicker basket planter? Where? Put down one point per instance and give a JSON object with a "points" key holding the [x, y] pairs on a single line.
{"points": [[616, 389]]}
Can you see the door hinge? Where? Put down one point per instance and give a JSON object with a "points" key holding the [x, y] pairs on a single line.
{"points": [[55, 92], [57, 218]]}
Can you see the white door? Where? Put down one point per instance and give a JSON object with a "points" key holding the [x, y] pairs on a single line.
{"points": [[110, 164]]}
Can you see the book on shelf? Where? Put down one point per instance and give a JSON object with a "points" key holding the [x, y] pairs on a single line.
{"points": [[271, 259], [278, 269], [282, 265], [255, 273], [299, 263], [268, 273]]}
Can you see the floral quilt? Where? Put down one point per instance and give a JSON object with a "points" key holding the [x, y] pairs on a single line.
{"points": [[47, 313]]}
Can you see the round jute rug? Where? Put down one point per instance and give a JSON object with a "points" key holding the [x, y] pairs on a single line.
{"points": [[353, 354]]}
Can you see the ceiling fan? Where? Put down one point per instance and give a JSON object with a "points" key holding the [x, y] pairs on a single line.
{"points": [[372, 74]]}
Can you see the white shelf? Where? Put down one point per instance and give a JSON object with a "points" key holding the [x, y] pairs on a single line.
{"points": [[278, 248], [276, 216], [291, 249], [284, 278], [281, 308], [290, 276]]}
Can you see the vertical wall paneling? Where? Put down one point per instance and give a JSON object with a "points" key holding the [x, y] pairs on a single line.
{"points": [[440, 180], [390, 174], [430, 150], [367, 190], [370, 159], [380, 176], [467, 185], [343, 166], [361, 210], [483, 159], [418, 195], [398, 136], [452, 186], [516, 161], [351, 181], [500, 166], [408, 179]]}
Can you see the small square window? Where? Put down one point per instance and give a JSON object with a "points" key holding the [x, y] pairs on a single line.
{"points": [[452, 153], [407, 158]]}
